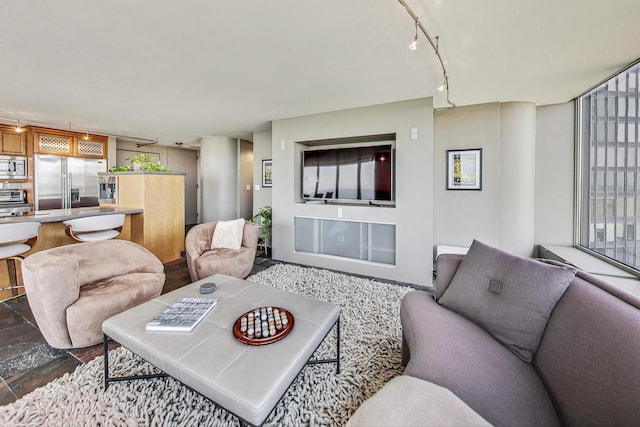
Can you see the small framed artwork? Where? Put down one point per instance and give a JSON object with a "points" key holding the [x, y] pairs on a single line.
{"points": [[267, 173], [464, 169]]}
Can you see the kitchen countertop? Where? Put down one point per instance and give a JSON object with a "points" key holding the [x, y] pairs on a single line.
{"points": [[59, 215]]}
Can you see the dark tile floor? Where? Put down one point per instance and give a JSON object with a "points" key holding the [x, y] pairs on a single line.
{"points": [[26, 360]]}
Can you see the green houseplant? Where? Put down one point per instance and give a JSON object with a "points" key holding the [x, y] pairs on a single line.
{"points": [[140, 162], [263, 219]]}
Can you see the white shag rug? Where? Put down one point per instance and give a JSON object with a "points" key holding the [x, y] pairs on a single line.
{"points": [[370, 356]]}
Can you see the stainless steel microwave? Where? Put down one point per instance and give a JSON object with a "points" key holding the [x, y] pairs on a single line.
{"points": [[13, 167]]}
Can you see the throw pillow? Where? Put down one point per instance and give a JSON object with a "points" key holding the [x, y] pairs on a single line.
{"points": [[228, 234], [509, 296]]}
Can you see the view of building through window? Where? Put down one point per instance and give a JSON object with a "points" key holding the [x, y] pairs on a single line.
{"points": [[610, 193]]}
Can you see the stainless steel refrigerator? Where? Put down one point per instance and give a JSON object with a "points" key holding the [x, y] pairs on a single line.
{"points": [[66, 182]]}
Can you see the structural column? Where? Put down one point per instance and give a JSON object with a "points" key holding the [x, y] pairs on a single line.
{"points": [[218, 178], [517, 166]]}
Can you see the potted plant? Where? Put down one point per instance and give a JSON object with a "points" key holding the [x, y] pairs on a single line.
{"points": [[137, 161], [140, 162], [263, 219]]}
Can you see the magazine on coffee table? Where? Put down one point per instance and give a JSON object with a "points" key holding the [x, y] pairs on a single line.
{"points": [[182, 316]]}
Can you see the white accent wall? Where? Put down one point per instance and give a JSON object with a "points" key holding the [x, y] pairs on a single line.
{"points": [[527, 193], [413, 214]]}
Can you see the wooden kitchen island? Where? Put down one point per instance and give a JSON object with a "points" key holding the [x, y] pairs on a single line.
{"points": [[52, 231], [154, 207]]}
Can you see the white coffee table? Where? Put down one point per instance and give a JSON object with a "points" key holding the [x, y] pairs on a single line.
{"points": [[248, 381]]}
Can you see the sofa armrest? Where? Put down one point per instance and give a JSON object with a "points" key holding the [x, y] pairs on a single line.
{"points": [[51, 283], [250, 235], [197, 241], [446, 267]]}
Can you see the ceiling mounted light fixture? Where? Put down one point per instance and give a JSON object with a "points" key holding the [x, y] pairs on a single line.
{"points": [[18, 127], [86, 137], [434, 45], [414, 44]]}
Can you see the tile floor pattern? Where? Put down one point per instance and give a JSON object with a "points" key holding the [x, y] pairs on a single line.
{"points": [[28, 362]]}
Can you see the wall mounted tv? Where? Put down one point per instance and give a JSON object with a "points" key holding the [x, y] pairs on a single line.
{"points": [[360, 174]]}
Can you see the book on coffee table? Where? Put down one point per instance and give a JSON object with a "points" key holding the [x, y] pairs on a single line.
{"points": [[182, 316]]}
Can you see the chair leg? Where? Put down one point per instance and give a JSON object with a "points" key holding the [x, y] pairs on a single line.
{"points": [[13, 279], [13, 276]]}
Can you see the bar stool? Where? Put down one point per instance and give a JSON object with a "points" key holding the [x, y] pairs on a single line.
{"points": [[94, 228], [16, 239]]}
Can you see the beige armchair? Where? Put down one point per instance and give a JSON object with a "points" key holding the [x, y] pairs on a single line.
{"points": [[204, 261], [72, 289]]}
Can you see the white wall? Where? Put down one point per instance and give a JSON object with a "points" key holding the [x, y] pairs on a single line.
{"points": [[185, 160], [502, 214], [262, 150], [555, 179], [219, 178], [461, 216], [413, 214], [245, 177]]}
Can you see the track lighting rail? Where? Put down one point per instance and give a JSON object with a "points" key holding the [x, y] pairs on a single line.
{"points": [[434, 45]]}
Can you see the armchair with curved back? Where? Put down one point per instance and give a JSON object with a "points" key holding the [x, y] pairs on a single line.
{"points": [[204, 261], [72, 289]]}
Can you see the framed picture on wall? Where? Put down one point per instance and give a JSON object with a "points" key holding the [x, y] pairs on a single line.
{"points": [[464, 169], [267, 173]]}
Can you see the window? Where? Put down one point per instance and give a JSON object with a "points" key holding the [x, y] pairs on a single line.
{"points": [[609, 204]]}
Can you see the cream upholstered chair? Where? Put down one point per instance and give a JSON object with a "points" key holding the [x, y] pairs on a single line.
{"points": [[93, 228], [203, 261], [16, 239], [72, 289]]}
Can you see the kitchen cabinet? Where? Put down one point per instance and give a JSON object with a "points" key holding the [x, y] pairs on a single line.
{"points": [[95, 147], [67, 143], [13, 143], [160, 228]]}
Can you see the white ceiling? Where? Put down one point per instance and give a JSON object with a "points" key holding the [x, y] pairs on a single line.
{"points": [[179, 70]]}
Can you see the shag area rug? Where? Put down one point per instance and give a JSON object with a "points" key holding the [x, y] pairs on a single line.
{"points": [[370, 356]]}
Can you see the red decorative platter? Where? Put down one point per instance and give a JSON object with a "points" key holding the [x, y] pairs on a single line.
{"points": [[250, 327]]}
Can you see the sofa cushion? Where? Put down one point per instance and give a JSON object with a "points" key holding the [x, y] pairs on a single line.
{"points": [[228, 234], [100, 300], [589, 356], [453, 352], [409, 401], [232, 262], [509, 296]]}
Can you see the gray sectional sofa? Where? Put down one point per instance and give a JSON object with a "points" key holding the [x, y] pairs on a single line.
{"points": [[584, 369]]}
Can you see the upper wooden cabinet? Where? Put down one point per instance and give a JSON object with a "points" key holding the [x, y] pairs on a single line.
{"points": [[91, 147], [51, 141], [13, 143]]}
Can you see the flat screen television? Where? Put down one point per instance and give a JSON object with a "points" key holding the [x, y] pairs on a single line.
{"points": [[362, 173]]}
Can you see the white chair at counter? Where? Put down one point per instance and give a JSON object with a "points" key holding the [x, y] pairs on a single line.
{"points": [[94, 228], [16, 239]]}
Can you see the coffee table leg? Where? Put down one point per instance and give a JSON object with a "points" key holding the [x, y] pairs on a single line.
{"points": [[337, 359], [338, 347], [106, 361]]}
